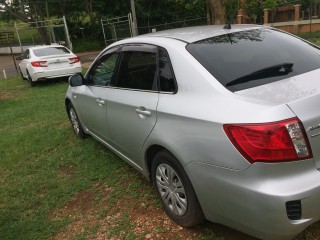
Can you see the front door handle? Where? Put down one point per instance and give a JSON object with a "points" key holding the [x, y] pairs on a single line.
{"points": [[100, 102], [143, 111]]}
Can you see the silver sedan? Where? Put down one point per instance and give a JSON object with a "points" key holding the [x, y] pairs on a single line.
{"points": [[224, 122]]}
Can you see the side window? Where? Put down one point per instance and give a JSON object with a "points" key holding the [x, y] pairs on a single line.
{"points": [[138, 71], [26, 54], [103, 72], [166, 75]]}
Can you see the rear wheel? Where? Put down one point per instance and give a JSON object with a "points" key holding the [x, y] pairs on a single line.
{"points": [[23, 78], [77, 128], [175, 190], [32, 84]]}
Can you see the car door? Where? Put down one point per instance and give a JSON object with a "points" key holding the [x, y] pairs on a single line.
{"points": [[132, 103], [91, 98], [24, 61]]}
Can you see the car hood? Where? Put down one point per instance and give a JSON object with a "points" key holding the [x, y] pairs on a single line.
{"points": [[286, 90]]}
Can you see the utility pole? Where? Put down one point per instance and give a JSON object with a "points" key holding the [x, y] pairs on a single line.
{"points": [[134, 18]]}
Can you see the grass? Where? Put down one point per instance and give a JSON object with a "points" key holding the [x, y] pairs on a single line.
{"points": [[42, 163], [313, 37], [56, 186], [83, 45]]}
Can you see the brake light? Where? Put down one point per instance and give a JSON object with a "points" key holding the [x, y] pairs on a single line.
{"points": [[39, 64], [74, 60], [270, 142]]}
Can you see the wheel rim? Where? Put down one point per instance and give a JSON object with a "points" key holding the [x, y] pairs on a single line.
{"points": [[171, 189], [74, 121]]}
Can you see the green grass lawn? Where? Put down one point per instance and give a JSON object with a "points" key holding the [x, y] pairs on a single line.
{"points": [[42, 163]]}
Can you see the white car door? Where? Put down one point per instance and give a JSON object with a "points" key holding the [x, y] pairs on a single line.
{"points": [[23, 63]]}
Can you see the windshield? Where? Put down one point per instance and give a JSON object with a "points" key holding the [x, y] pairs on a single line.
{"points": [[255, 57], [41, 52]]}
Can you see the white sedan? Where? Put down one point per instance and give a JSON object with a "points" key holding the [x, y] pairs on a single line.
{"points": [[43, 62]]}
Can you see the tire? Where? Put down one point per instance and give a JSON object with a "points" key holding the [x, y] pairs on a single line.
{"points": [[23, 78], [32, 84], [75, 122], [177, 195]]}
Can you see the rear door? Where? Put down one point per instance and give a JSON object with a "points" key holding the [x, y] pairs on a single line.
{"points": [[132, 102]]}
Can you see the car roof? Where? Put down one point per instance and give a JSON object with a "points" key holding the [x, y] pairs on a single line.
{"points": [[193, 34]]}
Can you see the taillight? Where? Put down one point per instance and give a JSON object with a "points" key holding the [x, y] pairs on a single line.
{"points": [[74, 60], [270, 142], [39, 64]]}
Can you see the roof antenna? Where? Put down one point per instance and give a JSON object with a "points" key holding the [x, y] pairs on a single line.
{"points": [[227, 26]]}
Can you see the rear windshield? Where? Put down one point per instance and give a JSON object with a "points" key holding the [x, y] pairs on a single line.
{"points": [[255, 57], [41, 52]]}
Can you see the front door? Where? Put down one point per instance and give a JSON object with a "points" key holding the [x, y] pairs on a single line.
{"points": [[93, 97]]}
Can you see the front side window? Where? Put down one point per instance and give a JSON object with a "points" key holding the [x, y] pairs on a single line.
{"points": [[103, 72], [251, 58], [138, 71]]}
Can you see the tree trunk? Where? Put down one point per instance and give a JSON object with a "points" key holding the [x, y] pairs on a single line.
{"points": [[216, 11]]}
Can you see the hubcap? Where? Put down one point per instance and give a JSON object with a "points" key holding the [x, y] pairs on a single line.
{"points": [[171, 189], [74, 121]]}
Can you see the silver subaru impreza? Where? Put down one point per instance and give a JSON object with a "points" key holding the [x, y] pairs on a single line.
{"points": [[224, 121]]}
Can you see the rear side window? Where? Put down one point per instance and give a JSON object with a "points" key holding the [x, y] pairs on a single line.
{"points": [[166, 75], [247, 59], [138, 71], [41, 52]]}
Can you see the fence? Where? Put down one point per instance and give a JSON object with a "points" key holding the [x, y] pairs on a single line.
{"points": [[43, 32], [120, 28]]}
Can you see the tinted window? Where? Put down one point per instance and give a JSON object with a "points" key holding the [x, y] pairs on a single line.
{"points": [[103, 72], [50, 51], [167, 82], [252, 58], [138, 71], [26, 54]]}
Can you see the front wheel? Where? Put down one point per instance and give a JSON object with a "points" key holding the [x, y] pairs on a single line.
{"points": [[175, 190], [77, 128]]}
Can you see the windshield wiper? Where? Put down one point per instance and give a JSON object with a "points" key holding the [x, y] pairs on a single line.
{"points": [[273, 71]]}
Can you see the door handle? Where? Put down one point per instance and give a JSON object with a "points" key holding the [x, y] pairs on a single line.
{"points": [[100, 102], [143, 111]]}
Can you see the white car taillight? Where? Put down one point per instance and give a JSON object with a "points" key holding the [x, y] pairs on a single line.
{"points": [[39, 64], [74, 60], [270, 142]]}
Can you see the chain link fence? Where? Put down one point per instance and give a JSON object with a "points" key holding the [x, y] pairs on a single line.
{"points": [[43, 33], [120, 28]]}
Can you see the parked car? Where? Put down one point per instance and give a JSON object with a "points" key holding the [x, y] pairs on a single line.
{"points": [[225, 123], [51, 61]]}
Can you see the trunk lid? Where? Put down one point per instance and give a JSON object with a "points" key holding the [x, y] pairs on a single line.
{"points": [[302, 95], [57, 61]]}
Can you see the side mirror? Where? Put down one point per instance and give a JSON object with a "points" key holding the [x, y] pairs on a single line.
{"points": [[19, 57], [76, 80]]}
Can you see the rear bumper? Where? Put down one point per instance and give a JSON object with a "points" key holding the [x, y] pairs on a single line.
{"points": [[254, 200], [54, 73]]}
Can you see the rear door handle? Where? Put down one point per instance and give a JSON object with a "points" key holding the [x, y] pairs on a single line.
{"points": [[143, 111], [100, 102]]}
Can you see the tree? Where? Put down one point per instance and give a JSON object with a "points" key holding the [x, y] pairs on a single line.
{"points": [[216, 11]]}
